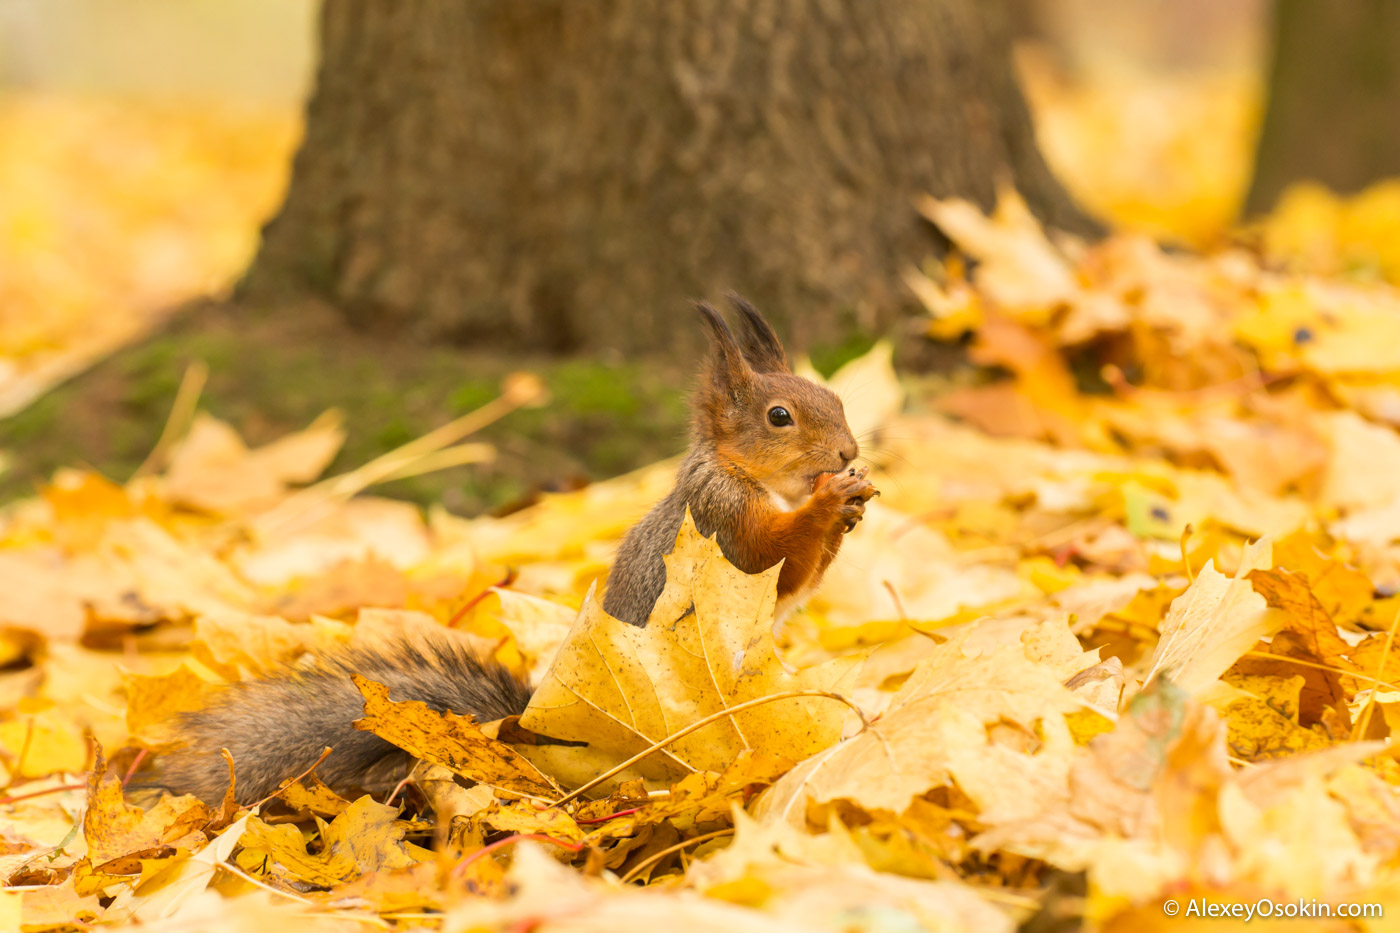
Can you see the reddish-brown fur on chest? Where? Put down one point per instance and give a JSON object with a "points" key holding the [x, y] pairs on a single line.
{"points": [[805, 539]]}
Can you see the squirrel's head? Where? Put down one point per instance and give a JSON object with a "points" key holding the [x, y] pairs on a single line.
{"points": [[781, 429]]}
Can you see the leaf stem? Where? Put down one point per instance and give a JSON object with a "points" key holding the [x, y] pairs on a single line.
{"points": [[240, 873], [469, 605], [40, 793], [657, 856], [1321, 667], [1365, 721], [611, 816], [700, 724], [326, 753], [135, 763], [182, 414], [23, 753]]}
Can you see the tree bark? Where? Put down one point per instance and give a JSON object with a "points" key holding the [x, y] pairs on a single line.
{"points": [[1334, 98], [562, 174]]}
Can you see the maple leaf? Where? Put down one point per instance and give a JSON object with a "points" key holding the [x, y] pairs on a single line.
{"points": [[212, 469], [942, 709], [413, 889], [1021, 270], [119, 834], [311, 795], [1265, 724], [366, 837], [1310, 633], [1215, 621], [1343, 590], [1157, 774], [449, 740], [42, 742], [235, 644], [707, 647]]}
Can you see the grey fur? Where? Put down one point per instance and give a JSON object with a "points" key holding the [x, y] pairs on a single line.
{"points": [[277, 726], [715, 497]]}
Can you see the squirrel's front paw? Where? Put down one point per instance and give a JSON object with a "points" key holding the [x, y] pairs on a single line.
{"points": [[848, 492]]}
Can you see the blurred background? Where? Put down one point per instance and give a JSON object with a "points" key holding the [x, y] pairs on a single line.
{"points": [[480, 195]]}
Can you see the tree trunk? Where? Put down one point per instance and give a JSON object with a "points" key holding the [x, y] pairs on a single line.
{"points": [[562, 174], [1334, 98]]}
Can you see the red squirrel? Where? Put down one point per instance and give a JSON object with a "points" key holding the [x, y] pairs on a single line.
{"points": [[768, 472]]}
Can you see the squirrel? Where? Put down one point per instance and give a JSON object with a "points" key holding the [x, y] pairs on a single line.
{"points": [[768, 472], [763, 444]]}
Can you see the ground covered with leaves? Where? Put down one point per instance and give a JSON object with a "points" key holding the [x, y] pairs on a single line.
{"points": [[1117, 640]]}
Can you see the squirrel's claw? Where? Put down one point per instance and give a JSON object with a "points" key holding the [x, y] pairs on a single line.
{"points": [[851, 490]]}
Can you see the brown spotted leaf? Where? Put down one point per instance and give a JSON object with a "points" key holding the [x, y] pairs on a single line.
{"points": [[522, 816], [367, 837], [1292, 593], [452, 741], [116, 831], [1310, 634], [313, 796]]}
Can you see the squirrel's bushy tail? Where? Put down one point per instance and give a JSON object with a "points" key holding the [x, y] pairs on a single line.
{"points": [[277, 726]]}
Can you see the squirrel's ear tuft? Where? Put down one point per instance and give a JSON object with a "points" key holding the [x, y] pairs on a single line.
{"points": [[727, 368], [761, 347]]}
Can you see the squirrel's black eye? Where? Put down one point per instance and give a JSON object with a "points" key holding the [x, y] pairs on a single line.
{"points": [[778, 417]]}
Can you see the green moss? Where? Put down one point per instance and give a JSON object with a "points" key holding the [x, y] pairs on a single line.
{"points": [[588, 387], [271, 373], [396, 433], [829, 358], [35, 422], [471, 396]]}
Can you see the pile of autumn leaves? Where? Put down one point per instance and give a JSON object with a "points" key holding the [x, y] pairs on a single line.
{"points": [[1116, 632]]}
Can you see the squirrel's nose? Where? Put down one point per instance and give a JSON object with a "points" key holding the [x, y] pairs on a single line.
{"points": [[849, 453]]}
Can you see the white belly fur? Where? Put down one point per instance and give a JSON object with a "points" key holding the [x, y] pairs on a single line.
{"points": [[782, 502], [790, 602]]}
